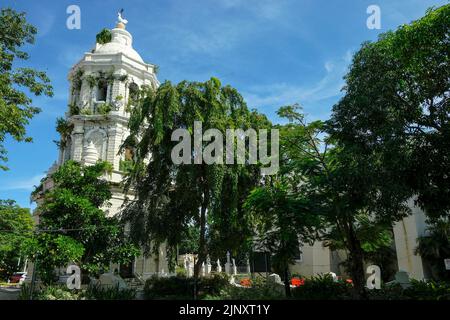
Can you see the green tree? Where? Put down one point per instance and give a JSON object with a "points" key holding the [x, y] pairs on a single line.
{"points": [[72, 215], [396, 105], [283, 221], [189, 242], [345, 188], [434, 247], [52, 250], [16, 226], [172, 197], [376, 243], [15, 106]]}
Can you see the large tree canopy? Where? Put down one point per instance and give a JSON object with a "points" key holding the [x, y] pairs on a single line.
{"points": [[73, 225], [173, 197], [356, 207], [15, 106], [16, 225], [396, 106]]}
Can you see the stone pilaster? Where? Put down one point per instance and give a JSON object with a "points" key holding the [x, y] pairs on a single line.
{"points": [[77, 143], [114, 141]]}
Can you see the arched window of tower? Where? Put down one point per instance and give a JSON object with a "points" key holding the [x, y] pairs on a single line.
{"points": [[134, 92], [102, 90]]}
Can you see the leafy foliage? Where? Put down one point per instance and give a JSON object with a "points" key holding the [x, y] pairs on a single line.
{"points": [[170, 197], [183, 288], [16, 108], [97, 292], [104, 36], [356, 207], [396, 108], [259, 290], [64, 128], [87, 235], [50, 251], [434, 247], [16, 226], [322, 287], [283, 221]]}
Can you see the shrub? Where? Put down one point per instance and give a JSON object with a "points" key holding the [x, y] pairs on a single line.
{"points": [[25, 292], [181, 272], [259, 290], [387, 292], [86, 111], [322, 287], [180, 287], [213, 284], [419, 290], [431, 290], [74, 109], [168, 288], [104, 108], [104, 36], [97, 292], [51, 292], [56, 292]]}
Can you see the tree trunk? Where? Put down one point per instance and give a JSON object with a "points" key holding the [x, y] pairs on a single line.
{"points": [[202, 245], [356, 260], [287, 286]]}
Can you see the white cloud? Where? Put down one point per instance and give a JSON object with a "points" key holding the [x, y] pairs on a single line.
{"points": [[279, 94], [191, 31], [23, 184]]}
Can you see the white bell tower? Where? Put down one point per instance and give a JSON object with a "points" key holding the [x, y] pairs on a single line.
{"points": [[102, 85]]}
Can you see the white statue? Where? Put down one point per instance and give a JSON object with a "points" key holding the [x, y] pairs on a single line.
{"points": [[234, 267], [208, 265], [203, 269], [228, 264], [219, 267], [249, 270], [333, 275], [120, 18], [190, 267], [185, 262]]}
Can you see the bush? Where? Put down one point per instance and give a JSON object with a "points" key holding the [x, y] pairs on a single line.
{"points": [[97, 292], [214, 284], [52, 292], [168, 288], [180, 287], [180, 272], [387, 292], [104, 108], [58, 293], [322, 287], [431, 290], [259, 290], [25, 292], [104, 36]]}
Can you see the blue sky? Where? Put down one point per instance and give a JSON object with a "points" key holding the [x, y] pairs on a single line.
{"points": [[275, 52]]}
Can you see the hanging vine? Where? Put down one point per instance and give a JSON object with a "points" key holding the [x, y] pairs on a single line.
{"points": [[64, 128], [77, 80]]}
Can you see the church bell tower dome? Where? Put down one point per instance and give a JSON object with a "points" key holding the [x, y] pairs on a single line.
{"points": [[121, 42], [104, 86]]}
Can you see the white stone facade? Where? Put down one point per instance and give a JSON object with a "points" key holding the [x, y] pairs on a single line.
{"points": [[106, 131]]}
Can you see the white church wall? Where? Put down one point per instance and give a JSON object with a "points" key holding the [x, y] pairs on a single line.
{"points": [[315, 260], [406, 233]]}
